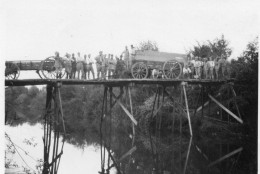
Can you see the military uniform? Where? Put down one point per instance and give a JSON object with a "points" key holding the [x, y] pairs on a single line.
{"points": [[79, 67], [211, 65], [205, 68], [217, 65], [90, 67], [99, 59], [111, 67], [58, 66]]}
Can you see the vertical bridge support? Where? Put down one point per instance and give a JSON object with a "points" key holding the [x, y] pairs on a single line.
{"points": [[110, 99], [175, 102], [53, 121]]}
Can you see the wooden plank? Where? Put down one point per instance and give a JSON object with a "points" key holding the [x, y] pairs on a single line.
{"points": [[226, 156], [112, 82], [128, 153], [127, 112], [226, 109], [187, 107], [125, 109], [205, 104]]}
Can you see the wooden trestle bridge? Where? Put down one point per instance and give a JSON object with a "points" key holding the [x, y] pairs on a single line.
{"points": [[54, 113]]}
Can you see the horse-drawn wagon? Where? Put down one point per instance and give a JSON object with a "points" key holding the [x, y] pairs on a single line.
{"points": [[168, 64], [45, 69]]}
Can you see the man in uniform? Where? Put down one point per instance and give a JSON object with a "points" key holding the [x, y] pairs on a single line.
{"points": [[68, 66], [58, 65], [79, 66], [211, 65], [111, 66], [205, 68], [126, 57], [74, 66], [217, 66], [222, 65], [197, 66], [120, 66], [90, 61], [85, 67], [99, 59]]}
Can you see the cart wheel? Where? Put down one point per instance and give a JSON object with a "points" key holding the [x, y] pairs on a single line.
{"points": [[49, 71], [139, 71], [172, 70], [12, 71]]}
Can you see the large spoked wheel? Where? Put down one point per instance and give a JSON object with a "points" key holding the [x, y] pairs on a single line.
{"points": [[51, 69], [12, 71], [172, 70], [139, 71]]}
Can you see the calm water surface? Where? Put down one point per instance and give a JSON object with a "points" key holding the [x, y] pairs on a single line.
{"points": [[155, 154]]}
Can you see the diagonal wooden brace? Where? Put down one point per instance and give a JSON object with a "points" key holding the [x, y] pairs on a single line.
{"points": [[226, 109], [124, 108]]}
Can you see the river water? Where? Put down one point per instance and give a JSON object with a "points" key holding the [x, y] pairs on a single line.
{"points": [[148, 154]]}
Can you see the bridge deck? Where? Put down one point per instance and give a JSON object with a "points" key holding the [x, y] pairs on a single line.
{"points": [[113, 82]]}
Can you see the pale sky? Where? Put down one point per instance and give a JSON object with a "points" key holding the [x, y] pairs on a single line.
{"points": [[35, 29]]}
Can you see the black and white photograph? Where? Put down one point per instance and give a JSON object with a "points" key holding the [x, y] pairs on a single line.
{"points": [[129, 86]]}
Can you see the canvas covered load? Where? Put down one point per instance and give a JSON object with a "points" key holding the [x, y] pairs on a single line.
{"points": [[160, 56]]}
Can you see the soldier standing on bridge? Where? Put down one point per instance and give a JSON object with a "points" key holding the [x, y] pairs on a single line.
{"points": [[211, 65], [120, 66], [68, 66], [217, 65], [79, 66], [99, 59], [74, 66], [90, 61], [197, 66], [126, 57], [221, 65], [58, 65], [111, 66], [85, 67], [205, 68]]}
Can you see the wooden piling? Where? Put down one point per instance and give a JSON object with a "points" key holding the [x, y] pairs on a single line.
{"points": [[187, 107]]}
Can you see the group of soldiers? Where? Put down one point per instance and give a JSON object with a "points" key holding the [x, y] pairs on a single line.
{"points": [[207, 68], [107, 66]]}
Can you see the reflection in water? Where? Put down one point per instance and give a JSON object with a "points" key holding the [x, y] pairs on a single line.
{"points": [[156, 154], [173, 154]]}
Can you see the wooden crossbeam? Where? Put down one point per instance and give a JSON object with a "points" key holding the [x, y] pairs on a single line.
{"points": [[226, 109], [128, 153], [226, 156], [205, 104], [125, 109]]}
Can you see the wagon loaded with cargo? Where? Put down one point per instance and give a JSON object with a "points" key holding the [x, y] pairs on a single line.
{"points": [[167, 65], [45, 69]]}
